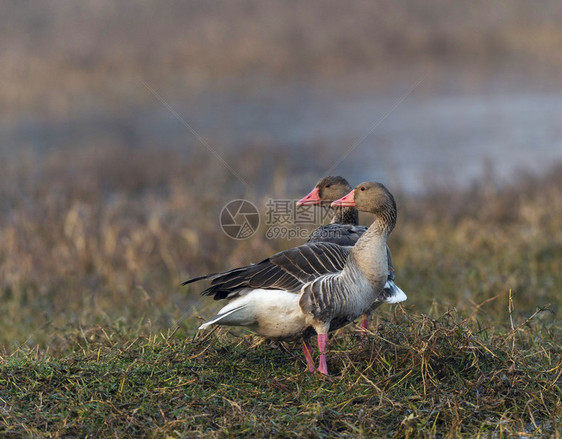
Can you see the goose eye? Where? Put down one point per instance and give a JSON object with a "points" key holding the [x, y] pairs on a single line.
{"points": [[362, 188], [327, 185]]}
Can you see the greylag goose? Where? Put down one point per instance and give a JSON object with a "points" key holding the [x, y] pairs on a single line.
{"points": [[344, 228], [314, 288]]}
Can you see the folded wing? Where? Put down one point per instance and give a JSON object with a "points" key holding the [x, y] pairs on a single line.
{"points": [[288, 270]]}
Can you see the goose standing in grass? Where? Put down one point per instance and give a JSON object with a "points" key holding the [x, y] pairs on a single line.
{"points": [[344, 228], [316, 287]]}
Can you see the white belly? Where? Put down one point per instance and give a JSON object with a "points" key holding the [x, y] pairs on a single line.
{"points": [[274, 314]]}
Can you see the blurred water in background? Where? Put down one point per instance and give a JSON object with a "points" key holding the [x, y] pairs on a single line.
{"points": [[426, 141], [257, 78]]}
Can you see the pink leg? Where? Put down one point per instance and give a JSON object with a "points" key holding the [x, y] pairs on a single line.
{"points": [[364, 324], [307, 349], [322, 341]]}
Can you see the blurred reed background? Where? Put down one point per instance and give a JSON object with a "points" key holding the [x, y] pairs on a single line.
{"points": [[108, 200]]}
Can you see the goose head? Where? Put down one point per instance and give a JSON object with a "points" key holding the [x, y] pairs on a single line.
{"points": [[373, 198], [327, 189]]}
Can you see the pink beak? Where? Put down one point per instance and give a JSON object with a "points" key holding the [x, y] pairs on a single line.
{"points": [[347, 201], [311, 198]]}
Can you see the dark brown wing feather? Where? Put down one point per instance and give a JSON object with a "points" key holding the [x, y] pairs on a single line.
{"points": [[287, 270]]}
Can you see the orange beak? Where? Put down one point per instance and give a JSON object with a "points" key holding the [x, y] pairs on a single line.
{"points": [[346, 201], [311, 198]]}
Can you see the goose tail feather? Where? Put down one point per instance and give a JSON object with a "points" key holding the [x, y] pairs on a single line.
{"points": [[195, 279], [392, 293], [221, 316]]}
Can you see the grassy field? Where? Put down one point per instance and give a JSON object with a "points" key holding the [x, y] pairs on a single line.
{"points": [[97, 337]]}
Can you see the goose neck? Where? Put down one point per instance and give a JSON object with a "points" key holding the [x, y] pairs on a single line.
{"points": [[345, 215], [369, 254]]}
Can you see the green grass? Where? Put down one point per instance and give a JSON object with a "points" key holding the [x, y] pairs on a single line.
{"points": [[417, 376], [97, 337]]}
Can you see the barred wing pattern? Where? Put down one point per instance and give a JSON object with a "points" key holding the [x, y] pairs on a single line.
{"points": [[287, 270]]}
